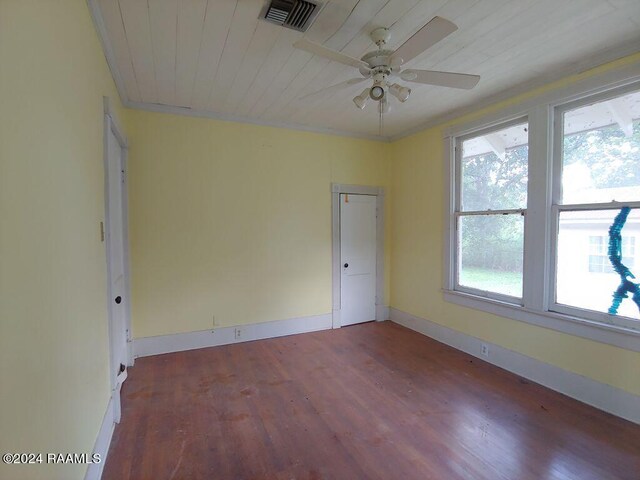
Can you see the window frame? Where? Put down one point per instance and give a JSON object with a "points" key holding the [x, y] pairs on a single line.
{"points": [[459, 213], [540, 244], [558, 207]]}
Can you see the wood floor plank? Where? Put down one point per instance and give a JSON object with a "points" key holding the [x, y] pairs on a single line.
{"points": [[370, 401]]}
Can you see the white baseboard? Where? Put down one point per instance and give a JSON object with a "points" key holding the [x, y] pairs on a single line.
{"points": [[101, 447], [145, 346], [382, 313], [605, 397]]}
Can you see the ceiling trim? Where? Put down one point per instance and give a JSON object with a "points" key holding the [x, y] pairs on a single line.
{"points": [[99, 24], [101, 30], [576, 68], [226, 117], [626, 77]]}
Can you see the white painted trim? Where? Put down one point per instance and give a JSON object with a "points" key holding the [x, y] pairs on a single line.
{"points": [[538, 302], [126, 254], [382, 313], [378, 192], [449, 220], [227, 117], [453, 200], [627, 71], [112, 124], [597, 84], [537, 231], [118, 130], [580, 327], [605, 397], [557, 207], [357, 189], [178, 342], [101, 30], [571, 68], [101, 447]]}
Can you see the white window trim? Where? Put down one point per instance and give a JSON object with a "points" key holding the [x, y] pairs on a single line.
{"points": [[458, 212], [538, 276], [558, 207]]}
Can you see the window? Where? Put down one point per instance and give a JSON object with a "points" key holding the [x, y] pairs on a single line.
{"points": [[544, 211], [598, 156], [493, 170], [599, 258]]}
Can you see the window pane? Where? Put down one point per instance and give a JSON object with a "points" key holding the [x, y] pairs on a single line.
{"points": [[490, 253], [601, 152], [494, 170], [585, 275]]}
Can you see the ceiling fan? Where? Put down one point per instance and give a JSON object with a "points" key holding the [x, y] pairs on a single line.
{"points": [[383, 65]]}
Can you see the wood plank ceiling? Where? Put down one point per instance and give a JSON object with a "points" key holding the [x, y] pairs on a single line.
{"points": [[216, 56]]}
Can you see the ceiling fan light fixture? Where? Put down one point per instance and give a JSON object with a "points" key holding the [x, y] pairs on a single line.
{"points": [[362, 99], [400, 92], [377, 93]]}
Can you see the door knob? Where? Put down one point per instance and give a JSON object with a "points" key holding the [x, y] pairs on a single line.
{"points": [[346, 265], [118, 299]]}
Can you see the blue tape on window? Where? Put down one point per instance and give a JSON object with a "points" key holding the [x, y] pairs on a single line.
{"points": [[615, 257]]}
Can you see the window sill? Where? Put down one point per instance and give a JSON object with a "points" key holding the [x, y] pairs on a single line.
{"points": [[599, 332]]}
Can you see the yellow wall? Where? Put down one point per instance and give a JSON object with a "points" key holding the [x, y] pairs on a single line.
{"points": [[417, 263], [234, 220], [226, 219], [54, 384]]}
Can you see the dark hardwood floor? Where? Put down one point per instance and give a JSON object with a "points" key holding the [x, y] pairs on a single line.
{"points": [[371, 401]]}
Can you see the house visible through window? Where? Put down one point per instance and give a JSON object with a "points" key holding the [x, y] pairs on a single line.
{"points": [[600, 172], [532, 201], [599, 256]]}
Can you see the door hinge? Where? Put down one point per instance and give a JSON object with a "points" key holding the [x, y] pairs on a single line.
{"points": [[102, 231], [122, 176]]}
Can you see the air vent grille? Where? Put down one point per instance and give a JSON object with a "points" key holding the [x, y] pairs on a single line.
{"points": [[295, 14]]}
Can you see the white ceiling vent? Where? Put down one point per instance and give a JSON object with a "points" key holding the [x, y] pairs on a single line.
{"points": [[295, 14]]}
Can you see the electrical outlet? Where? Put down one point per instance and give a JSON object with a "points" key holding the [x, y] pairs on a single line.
{"points": [[484, 350], [238, 333]]}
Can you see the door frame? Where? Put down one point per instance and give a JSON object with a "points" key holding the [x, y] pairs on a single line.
{"points": [[112, 125], [378, 192]]}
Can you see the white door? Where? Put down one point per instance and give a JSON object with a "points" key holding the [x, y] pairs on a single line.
{"points": [[116, 267], [357, 258]]}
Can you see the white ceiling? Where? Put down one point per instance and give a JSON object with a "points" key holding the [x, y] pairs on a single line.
{"points": [[216, 58]]}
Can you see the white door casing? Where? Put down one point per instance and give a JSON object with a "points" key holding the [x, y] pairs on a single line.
{"points": [[117, 257], [372, 284]]}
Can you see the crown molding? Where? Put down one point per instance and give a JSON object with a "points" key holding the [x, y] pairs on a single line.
{"points": [[192, 112], [573, 68], [101, 30]]}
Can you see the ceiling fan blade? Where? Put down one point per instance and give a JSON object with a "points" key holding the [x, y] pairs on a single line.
{"points": [[333, 88], [434, 31], [322, 51], [443, 79]]}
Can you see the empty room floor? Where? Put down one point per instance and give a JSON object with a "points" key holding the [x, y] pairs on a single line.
{"points": [[371, 401]]}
